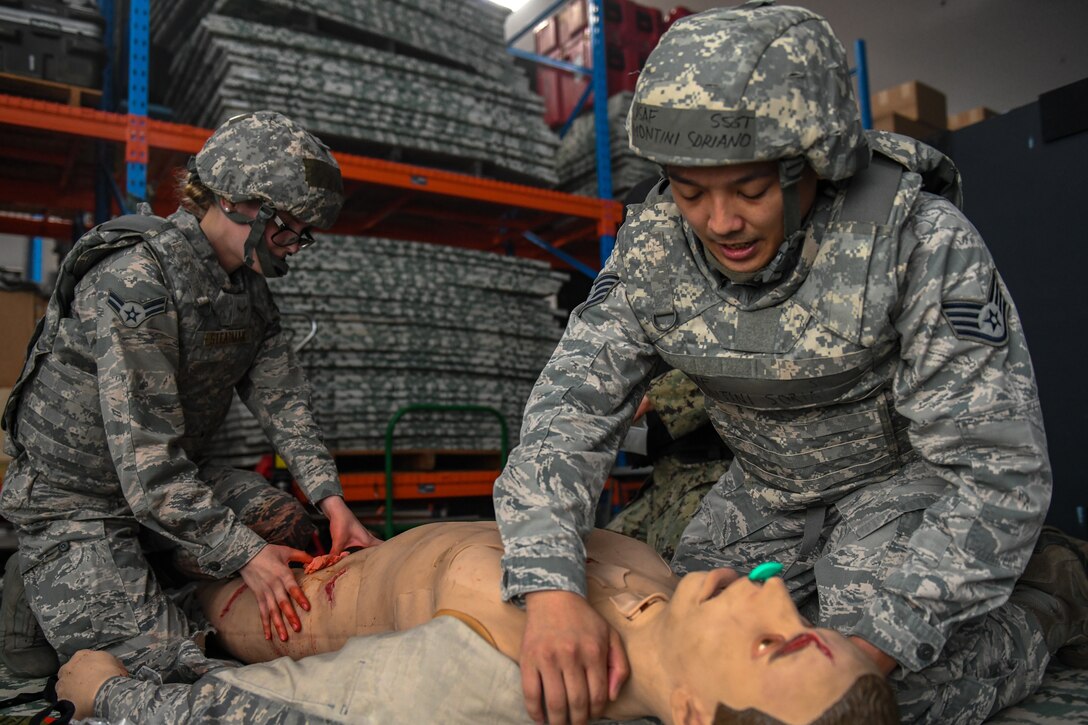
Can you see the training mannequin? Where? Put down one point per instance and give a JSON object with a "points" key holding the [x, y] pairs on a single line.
{"points": [[693, 643], [453, 568]]}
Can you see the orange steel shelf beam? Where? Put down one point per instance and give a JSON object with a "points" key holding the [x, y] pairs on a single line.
{"points": [[26, 227], [43, 115], [418, 485]]}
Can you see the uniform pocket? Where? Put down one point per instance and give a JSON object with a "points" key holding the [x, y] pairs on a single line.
{"points": [[76, 590]]}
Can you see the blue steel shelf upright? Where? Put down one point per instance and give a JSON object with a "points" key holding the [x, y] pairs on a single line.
{"points": [[136, 147], [598, 86], [139, 13], [861, 70]]}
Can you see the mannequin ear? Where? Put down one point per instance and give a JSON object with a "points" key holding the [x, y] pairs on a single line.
{"points": [[684, 709]]}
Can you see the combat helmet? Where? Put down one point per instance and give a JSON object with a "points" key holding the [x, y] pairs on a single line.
{"points": [[267, 157], [756, 82]]}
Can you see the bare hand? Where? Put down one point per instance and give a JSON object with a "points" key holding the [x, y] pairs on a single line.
{"points": [[883, 662], [274, 585], [344, 529], [572, 662], [644, 407], [82, 676]]}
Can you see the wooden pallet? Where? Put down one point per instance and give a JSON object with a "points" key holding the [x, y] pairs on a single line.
{"points": [[42, 89]]}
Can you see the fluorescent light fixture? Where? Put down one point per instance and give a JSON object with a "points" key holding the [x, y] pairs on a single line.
{"points": [[512, 4]]}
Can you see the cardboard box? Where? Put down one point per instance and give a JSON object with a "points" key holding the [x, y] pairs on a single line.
{"points": [[966, 118], [19, 313], [908, 127], [913, 100]]}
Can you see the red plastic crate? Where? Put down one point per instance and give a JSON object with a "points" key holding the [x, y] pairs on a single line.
{"points": [[623, 66], [572, 20], [547, 85], [648, 27], [546, 37], [577, 51], [631, 32]]}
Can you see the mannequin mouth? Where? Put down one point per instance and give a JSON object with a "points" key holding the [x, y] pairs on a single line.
{"points": [[799, 643]]}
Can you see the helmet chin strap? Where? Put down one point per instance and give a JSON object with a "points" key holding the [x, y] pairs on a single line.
{"points": [[789, 176], [255, 249]]}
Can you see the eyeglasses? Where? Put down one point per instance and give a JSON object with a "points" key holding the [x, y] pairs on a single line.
{"points": [[285, 236]]}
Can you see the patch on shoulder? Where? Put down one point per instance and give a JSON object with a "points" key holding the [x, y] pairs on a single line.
{"points": [[598, 293], [985, 322], [132, 313]]}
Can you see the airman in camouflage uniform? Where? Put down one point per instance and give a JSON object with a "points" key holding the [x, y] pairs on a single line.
{"points": [[870, 375], [153, 324], [688, 457]]}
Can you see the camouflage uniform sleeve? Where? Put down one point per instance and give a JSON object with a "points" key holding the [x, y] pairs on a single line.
{"points": [[122, 698], [208, 700], [574, 422], [679, 403], [965, 382], [138, 360], [276, 390]]}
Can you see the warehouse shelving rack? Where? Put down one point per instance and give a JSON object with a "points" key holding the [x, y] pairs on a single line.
{"points": [[57, 180], [385, 198], [60, 178], [598, 86]]}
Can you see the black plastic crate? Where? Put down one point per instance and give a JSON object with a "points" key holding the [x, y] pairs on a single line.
{"points": [[45, 50], [80, 11]]}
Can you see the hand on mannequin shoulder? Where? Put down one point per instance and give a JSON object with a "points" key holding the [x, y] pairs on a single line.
{"points": [[344, 528], [82, 676], [572, 662]]}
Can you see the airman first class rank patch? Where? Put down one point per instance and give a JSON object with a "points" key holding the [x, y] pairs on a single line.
{"points": [[133, 314], [985, 322], [601, 287]]}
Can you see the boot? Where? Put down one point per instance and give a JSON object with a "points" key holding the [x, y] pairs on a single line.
{"points": [[1054, 588], [23, 646]]}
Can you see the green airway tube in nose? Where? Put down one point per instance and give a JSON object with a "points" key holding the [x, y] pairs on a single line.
{"points": [[765, 571]]}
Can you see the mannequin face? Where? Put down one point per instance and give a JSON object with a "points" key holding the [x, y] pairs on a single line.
{"points": [[746, 645], [229, 238]]}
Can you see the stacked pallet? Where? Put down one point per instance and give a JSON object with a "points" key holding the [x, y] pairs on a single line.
{"points": [[400, 323], [577, 160], [421, 81]]}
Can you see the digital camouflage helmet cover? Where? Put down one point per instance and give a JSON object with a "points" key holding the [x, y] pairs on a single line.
{"points": [[265, 156], [752, 83]]}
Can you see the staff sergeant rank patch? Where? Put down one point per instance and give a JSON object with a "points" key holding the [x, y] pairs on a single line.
{"points": [[599, 291], [133, 314], [985, 322]]}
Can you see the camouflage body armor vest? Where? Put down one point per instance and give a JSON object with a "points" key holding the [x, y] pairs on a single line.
{"points": [[798, 377], [220, 333]]}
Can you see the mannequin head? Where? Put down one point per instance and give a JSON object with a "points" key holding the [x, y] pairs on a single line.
{"points": [[744, 645], [869, 700]]}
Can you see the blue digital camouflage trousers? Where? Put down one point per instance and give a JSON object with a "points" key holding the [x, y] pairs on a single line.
{"points": [[90, 585]]}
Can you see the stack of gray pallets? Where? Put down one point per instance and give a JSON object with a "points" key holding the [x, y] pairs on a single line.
{"points": [[577, 159], [406, 322], [427, 80]]}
